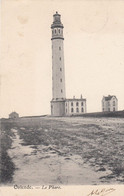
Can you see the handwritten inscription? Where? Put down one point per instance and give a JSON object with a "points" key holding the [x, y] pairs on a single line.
{"points": [[101, 192]]}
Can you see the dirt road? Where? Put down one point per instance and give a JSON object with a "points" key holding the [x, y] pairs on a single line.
{"points": [[69, 151]]}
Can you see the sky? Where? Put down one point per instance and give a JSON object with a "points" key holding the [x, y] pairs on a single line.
{"points": [[93, 53]]}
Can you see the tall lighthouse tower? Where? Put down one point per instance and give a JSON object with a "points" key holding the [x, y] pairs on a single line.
{"points": [[58, 72]]}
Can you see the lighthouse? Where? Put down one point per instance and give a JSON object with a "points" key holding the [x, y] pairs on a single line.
{"points": [[60, 105], [58, 70]]}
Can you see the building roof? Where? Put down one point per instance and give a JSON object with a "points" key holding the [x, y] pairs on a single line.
{"points": [[109, 97], [13, 113], [74, 99]]}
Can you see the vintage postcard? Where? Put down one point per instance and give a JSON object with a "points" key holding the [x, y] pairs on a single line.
{"points": [[62, 98]]}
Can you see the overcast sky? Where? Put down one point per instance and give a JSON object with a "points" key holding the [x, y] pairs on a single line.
{"points": [[93, 53]]}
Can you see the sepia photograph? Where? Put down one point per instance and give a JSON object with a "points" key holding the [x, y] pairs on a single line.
{"points": [[62, 97]]}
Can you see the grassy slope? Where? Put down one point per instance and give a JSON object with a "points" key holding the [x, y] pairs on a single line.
{"points": [[6, 164], [100, 144]]}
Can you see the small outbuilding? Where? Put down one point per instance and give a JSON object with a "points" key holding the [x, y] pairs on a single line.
{"points": [[14, 115]]}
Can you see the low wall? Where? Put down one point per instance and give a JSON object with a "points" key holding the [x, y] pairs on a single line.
{"points": [[116, 114]]}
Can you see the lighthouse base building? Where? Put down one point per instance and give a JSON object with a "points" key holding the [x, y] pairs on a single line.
{"points": [[60, 106], [68, 107], [75, 106]]}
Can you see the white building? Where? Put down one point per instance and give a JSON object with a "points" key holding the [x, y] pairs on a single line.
{"points": [[75, 106], [109, 103], [60, 106]]}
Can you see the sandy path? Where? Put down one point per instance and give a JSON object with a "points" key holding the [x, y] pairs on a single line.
{"points": [[44, 165]]}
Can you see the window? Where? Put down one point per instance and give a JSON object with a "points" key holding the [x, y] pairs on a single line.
{"points": [[60, 69], [103, 109], [71, 103], [113, 103], [108, 103], [77, 110], [59, 48], [114, 109], [61, 80], [59, 30], [82, 103], [77, 103], [55, 30], [109, 109], [82, 109], [60, 58], [61, 91], [72, 110]]}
